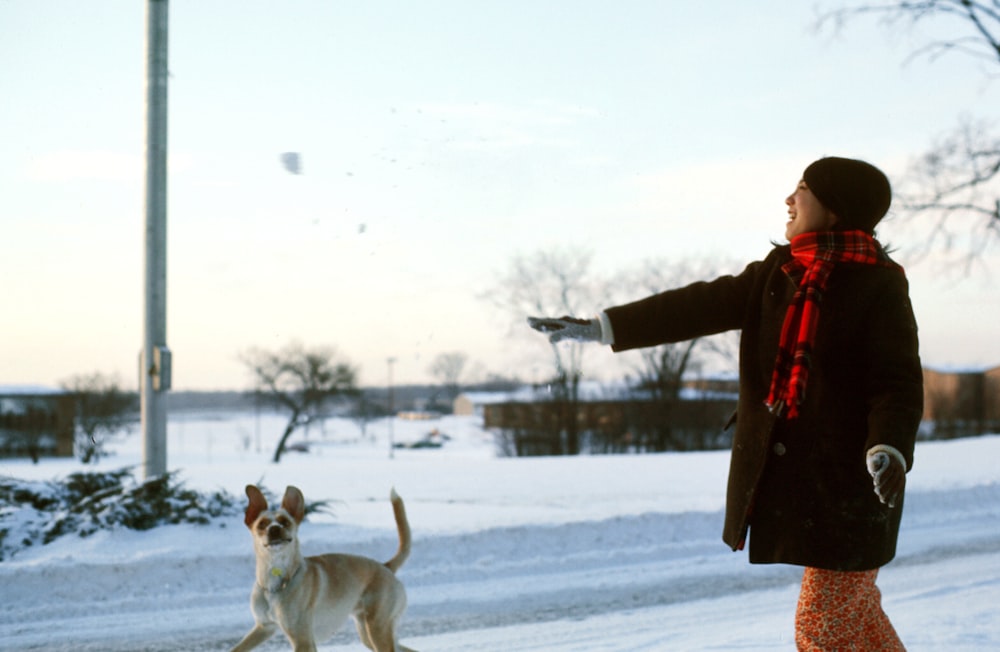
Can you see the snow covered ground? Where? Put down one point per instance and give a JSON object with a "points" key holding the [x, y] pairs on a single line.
{"points": [[582, 554]]}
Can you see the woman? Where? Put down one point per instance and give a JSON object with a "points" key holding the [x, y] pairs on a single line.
{"points": [[831, 394]]}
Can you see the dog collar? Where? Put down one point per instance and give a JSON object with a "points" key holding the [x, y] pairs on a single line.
{"points": [[278, 580]]}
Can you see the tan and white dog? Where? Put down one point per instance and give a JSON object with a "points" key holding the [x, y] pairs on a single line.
{"points": [[309, 598]]}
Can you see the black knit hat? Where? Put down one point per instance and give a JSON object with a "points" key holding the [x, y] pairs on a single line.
{"points": [[858, 193]]}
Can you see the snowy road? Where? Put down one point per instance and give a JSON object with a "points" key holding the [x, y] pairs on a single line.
{"points": [[647, 582], [585, 554]]}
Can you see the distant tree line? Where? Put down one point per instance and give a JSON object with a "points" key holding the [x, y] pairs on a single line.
{"points": [[613, 426], [565, 282]]}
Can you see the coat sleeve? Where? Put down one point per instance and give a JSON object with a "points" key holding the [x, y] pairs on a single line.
{"points": [[696, 310], [893, 373]]}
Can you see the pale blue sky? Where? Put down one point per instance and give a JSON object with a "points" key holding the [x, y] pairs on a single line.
{"points": [[438, 140]]}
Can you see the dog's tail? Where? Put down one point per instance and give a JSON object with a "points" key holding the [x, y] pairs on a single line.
{"points": [[403, 526]]}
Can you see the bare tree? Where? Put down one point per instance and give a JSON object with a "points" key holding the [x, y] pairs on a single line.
{"points": [[364, 411], [447, 368], [958, 178], [660, 370], [553, 283], [302, 381], [973, 27], [103, 411]]}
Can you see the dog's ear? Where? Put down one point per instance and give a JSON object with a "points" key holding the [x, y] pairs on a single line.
{"points": [[294, 503], [257, 505]]}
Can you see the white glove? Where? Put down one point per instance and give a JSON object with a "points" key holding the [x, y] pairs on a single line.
{"points": [[888, 477], [567, 328]]}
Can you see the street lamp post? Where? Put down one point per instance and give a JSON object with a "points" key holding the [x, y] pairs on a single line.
{"points": [[392, 415], [155, 366]]}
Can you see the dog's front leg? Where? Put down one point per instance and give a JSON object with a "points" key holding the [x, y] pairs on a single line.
{"points": [[255, 637], [300, 633]]}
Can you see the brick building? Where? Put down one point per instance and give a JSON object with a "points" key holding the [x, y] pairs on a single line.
{"points": [[36, 422], [962, 403]]}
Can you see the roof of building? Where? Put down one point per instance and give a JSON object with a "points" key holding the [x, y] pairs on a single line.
{"points": [[589, 391], [30, 390]]}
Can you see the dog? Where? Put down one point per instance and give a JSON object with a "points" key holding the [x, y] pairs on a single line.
{"points": [[310, 598]]}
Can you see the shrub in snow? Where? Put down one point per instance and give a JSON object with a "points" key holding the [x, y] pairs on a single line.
{"points": [[33, 513]]}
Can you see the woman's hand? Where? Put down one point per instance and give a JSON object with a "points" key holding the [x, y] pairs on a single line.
{"points": [[567, 328], [888, 476]]}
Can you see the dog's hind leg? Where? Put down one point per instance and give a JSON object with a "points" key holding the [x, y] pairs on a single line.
{"points": [[380, 636], [374, 637], [363, 634], [255, 637]]}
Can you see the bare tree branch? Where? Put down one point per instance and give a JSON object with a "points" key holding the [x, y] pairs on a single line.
{"points": [[553, 283], [977, 24], [103, 411], [955, 184], [448, 368], [301, 382], [957, 181]]}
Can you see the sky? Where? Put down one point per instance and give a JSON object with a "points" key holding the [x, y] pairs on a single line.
{"points": [[438, 140]]}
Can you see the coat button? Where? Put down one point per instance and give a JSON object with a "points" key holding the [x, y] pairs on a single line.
{"points": [[779, 449]]}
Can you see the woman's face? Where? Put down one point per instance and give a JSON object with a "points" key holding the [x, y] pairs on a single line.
{"points": [[807, 213]]}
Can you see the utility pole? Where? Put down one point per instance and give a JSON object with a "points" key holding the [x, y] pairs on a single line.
{"points": [[155, 363], [391, 409]]}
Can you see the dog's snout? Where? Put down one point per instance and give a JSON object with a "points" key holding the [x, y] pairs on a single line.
{"points": [[276, 534]]}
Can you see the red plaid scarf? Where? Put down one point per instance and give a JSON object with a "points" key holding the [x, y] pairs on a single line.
{"points": [[814, 255]]}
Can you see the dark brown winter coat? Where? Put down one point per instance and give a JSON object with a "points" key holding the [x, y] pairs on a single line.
{"points": [[801, 486]]}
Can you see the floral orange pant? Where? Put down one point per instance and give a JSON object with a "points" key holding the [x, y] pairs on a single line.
{"points": [[840, 610]]}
